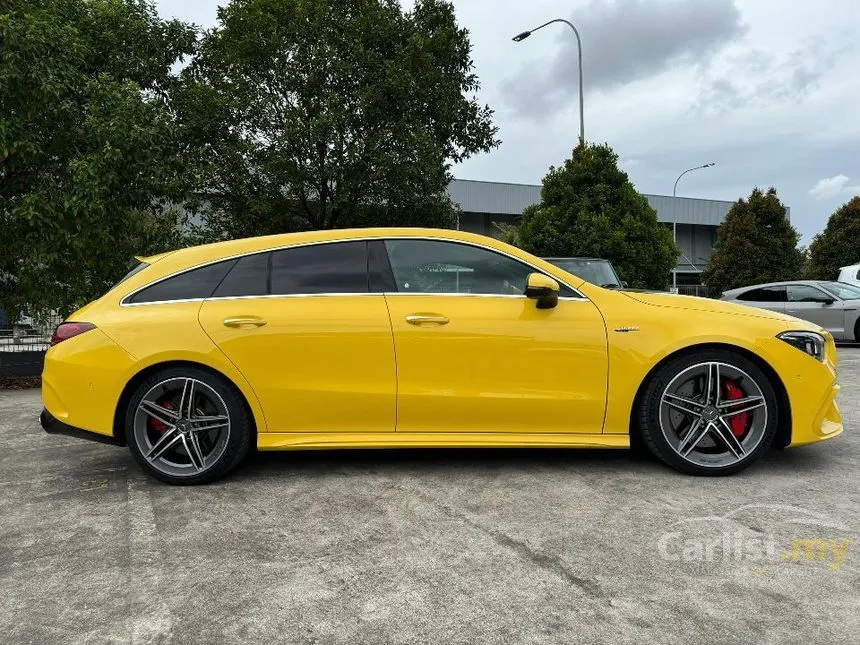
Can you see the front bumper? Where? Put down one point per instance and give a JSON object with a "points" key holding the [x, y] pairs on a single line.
{"points": [[52, 425], [811, 386]]}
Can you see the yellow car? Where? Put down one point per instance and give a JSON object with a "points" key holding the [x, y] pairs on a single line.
{"points": [[421, 337]]}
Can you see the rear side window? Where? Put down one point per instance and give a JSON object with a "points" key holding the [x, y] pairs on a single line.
{"points": [[191, 285], [248, 277], [339, 267], [764, 294]]}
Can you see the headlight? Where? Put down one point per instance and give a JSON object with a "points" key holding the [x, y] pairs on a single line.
{"points": [[805, 341]]}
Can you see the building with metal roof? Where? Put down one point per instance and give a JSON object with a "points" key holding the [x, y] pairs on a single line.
{"points": [[694, 221]]}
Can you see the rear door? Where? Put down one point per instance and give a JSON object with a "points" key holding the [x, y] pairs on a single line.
{"points": [[302, 326], [812, 304]]}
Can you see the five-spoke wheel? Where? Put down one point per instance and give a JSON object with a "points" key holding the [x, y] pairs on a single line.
{"points": [[187, 426], [709, 413]]}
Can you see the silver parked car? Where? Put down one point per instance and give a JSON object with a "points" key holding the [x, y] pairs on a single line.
{"points": [[833, 305]]}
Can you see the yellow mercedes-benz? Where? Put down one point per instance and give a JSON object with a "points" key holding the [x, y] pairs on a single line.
{"points": [[421, 337]]}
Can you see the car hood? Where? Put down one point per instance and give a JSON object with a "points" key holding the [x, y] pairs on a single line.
{"points": [[693, 303]]}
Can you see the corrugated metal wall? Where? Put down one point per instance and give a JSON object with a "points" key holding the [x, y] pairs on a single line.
{"points": [[512, 199]]}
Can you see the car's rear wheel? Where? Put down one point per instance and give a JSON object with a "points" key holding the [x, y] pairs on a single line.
{"points": [[712, 412], [185, 425]]}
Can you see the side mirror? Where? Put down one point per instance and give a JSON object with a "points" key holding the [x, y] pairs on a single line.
{"points": [[826, 301], [544, 289], [624, 284]]}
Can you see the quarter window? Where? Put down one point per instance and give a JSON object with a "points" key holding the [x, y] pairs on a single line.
{"points": [[422, 266], [764, 294], [338, 267], [247, 278], [191, 285]]}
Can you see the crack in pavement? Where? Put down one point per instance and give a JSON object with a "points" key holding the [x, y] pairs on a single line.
{"points": [[550, 563]]}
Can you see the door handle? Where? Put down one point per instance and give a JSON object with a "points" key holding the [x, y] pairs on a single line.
{"points": [[426, 319], [244, 322]]}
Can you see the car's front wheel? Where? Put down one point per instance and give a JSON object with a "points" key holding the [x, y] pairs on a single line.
{"points": [[185, 425], [712, 412]]}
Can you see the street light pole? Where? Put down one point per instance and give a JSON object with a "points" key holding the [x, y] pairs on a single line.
{"points": [[675, 222], [522, 36]]}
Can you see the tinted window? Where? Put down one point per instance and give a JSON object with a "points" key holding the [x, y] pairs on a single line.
{"points": [[340, 267], [765, 294], [805, 293], [378, 267], [247, 278], [422, 266], [197, 283]]}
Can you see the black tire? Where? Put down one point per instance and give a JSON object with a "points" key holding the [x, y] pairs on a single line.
{"points": [[857, 331], [651, 402], [233, 448]]}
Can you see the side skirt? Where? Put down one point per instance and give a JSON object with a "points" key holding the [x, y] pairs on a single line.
{"points": [[316, 441]]}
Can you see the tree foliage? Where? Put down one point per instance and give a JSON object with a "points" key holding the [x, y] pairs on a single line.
{"points": [[87, 146], [589, 207], [755, 243], [310, 114], [838, 245]]}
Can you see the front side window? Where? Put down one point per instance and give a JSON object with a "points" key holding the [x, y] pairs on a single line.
{"points": [[338, 267], [765, 294], [805, 293], [426, 266], [192, 285]]}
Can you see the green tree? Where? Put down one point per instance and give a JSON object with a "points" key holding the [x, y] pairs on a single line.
{"points": [[312, 114], [838, 245], [755, 243], [589, 207], [89, 159]]}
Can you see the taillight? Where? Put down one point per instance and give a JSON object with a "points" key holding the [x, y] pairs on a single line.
{"points": [[68, 330]]}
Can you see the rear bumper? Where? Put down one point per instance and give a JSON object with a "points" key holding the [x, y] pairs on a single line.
{"points": [[52, 425]]}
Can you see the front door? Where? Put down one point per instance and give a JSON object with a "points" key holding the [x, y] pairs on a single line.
{"points": [[812, 304], [475, 355], [315, 344]]}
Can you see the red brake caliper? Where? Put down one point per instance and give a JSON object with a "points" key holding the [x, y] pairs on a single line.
{"points": [[157, 425], [739, 421]]}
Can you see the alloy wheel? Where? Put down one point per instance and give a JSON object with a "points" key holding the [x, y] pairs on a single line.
{"points": [[182, 426], [713, 414]]}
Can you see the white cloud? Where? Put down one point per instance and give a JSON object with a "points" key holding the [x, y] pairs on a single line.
{"points": [[832, 187]]}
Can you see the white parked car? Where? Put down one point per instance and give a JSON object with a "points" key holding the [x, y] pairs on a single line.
{"points": [[850, 274]]}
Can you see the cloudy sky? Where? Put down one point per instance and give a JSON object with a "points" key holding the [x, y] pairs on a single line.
{"points": [[767, 89]]}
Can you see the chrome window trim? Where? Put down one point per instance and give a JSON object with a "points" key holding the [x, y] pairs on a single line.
{"points": [[124, 301], [345, 294]]}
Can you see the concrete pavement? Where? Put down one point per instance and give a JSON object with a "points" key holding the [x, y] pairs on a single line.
{"points": [[435, 546]]}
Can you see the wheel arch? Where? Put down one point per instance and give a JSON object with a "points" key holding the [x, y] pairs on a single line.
{"points": [[783, 429], [149, 370]]}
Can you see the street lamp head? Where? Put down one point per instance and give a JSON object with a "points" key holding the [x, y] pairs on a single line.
{"points": [[708, 165], [521, 36]]}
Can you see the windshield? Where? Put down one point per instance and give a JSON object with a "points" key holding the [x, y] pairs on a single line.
{"points": [[842, 290], [599, 272]]}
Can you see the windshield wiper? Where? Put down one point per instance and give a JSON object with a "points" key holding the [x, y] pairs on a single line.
{"points": [[611, 285]]}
